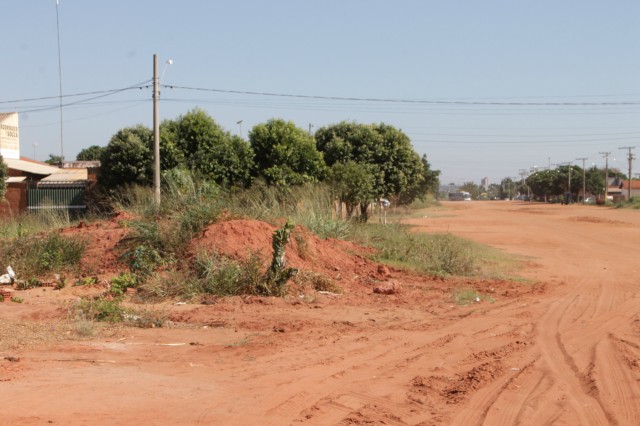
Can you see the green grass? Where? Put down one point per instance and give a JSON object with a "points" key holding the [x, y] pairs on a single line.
{"points": [[633, 203], [466, 296], [437, 254], [38, 254]]}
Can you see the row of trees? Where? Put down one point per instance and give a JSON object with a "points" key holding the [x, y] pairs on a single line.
{"points": [[545, 184], [361, 162]]}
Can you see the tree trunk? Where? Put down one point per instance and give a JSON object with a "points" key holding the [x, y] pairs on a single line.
{"points": [[364, 212]]}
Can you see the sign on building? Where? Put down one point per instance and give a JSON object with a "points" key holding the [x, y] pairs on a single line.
{"points": [[9, 135]]}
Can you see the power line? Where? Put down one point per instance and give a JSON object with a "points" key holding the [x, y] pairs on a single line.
{"points": [[96, 92], [406, 101], [103, 94], [539, 142]]}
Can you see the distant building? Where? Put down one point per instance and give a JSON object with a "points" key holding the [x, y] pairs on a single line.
{"points": [[33, 185], [485, 183]]}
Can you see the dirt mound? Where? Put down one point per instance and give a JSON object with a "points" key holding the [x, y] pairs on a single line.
{"points": [[100, 257], [338, 260]]}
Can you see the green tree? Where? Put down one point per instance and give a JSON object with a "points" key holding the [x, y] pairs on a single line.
{"points": [[92, 153], [127, 158], [403, 174], [544, 183], [3, 177], [354, 185], [195, 141], [285, 154], [54, 160], [472, 189], [494, 191], [430, 184], [595, 181]]}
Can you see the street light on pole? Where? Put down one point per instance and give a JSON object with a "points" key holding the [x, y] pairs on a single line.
{"points": [[239, 123], [584, 179], [156, 125], [156, 130]]}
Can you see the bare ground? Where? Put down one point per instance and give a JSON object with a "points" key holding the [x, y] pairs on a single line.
{"points": [[562, 348]]}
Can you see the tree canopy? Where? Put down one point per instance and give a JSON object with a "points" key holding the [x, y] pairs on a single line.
{"points": [[285, 154], [127, 158], [354, 185], [92, 153], [196, 142], [401, 173], [54, 160]]}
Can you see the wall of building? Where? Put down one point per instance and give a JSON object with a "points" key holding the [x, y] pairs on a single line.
{"points": [[15, 201]]}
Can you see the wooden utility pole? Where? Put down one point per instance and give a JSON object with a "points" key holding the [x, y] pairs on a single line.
{"points": [[584, 179], [630, 157], [606, 174], [156, 130]]}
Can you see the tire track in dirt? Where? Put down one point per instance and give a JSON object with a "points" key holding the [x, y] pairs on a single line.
{"points": [[573, 356]]}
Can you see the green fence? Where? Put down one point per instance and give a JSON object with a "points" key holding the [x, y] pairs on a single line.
{"points": [[66, 198]]}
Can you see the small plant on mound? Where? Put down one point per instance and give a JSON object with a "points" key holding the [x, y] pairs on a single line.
{"points": [[143, 248], [278, 274], [121, 283]]}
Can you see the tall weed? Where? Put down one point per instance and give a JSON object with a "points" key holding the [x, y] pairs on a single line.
{"points": [[36, 255], [438, 254]]}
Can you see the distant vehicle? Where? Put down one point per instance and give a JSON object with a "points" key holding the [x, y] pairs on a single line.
{"points": [[589, 200], [384, 202], [459, 196]]}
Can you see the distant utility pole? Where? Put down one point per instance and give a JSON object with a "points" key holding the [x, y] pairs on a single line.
{"points": [[606, 173], [584, 178], [570, 166], [630, 157], [523, 174], [156, 130], [60, 82]]}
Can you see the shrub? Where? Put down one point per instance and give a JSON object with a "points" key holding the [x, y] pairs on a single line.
{"points": [[121, 283], [225, 277], [101, 309], [166, 284]]}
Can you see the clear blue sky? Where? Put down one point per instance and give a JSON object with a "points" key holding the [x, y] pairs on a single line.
{"points": [[544, 51]]}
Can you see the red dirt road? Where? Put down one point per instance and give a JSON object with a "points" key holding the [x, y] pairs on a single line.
{"points": [[563, 351]]}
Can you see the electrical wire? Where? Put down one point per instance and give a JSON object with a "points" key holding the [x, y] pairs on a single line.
{"points": [[404, 101], [96, 92]]}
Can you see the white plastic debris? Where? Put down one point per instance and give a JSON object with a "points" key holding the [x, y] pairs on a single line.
{"points": [[9, 277]]}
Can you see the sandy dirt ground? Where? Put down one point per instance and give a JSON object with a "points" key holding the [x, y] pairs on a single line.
{"points": [[560, 347]]}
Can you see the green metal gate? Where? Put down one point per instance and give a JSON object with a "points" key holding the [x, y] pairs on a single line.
{"points": [[55, 198]]}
